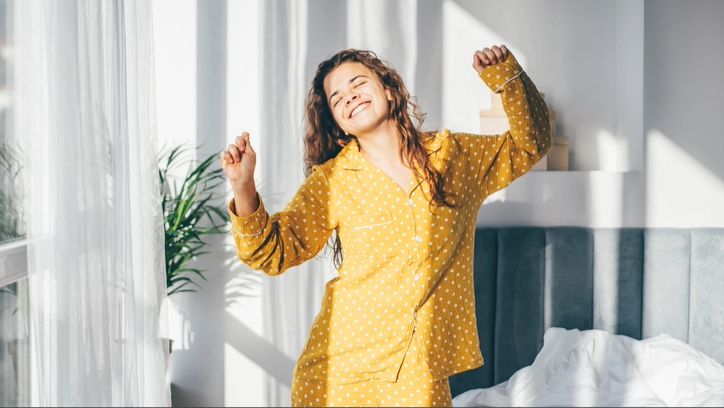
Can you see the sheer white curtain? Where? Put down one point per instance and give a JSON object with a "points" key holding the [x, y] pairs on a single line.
{"points": [[289, 301], [389, 28], [296, 35], [85, 116]]}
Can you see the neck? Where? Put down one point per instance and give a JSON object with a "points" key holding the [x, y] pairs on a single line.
{"points": [[383, 144]]}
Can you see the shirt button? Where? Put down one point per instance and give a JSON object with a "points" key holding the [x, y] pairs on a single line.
{"points": [[417, 277], [417, 238], [410, 203]]}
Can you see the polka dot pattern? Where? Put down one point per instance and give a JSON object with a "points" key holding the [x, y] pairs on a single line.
{"points": [[414, 387], [500, 159], [405, 287]]}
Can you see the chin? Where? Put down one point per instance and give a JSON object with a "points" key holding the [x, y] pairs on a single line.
{"points": [[365, 125]]}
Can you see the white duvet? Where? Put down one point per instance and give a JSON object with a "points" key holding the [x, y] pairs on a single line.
{"points": [[596, 368]]}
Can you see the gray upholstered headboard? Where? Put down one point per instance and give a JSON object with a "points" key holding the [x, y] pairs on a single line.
{"points": [[632, 281]]}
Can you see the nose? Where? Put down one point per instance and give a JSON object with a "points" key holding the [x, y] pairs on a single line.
{"points": [[352, 98]]}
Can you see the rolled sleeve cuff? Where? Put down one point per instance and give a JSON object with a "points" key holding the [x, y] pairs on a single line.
{"points": [[249, 225], [496, 76]]}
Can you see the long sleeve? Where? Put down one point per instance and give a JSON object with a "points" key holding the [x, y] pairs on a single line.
{"points": [[497, 160], [274, 243]]}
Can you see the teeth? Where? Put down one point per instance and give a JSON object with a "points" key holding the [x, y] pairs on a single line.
{"points": [[358, 108]]}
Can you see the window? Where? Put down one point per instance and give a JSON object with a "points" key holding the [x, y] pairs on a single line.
{"points": [[14, 346], [14, 319], [11, 217]]}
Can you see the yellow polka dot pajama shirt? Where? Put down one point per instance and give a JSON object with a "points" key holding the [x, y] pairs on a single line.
{"points": [[399, 318]]}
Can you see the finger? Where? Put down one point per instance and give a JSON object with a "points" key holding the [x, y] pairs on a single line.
{"points": [[239, 141], [504, 49], [235, 153], [498, 53], [249, 149], [242, 136], [483, 58], [491, 55], [224, 157], [477, 62]]}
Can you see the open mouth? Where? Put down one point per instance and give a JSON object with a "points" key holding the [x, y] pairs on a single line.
{"points": [[359, 108]]}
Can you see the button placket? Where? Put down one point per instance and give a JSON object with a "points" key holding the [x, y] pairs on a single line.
{"points": [[417, 275], [411, 204]]}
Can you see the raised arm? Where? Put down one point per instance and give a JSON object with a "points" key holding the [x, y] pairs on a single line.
{"points": [[277, 242], [497, 160]]}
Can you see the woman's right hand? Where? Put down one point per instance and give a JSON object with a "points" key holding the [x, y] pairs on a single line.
{"points": [[238, 162]]}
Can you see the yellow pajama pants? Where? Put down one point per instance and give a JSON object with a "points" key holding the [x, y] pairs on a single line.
{"points": [[414, 388]]}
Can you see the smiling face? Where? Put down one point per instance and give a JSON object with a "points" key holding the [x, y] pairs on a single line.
{"points": [[356, 97]]}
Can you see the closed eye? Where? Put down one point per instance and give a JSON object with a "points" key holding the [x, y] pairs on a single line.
{"points": [[339, 99]]}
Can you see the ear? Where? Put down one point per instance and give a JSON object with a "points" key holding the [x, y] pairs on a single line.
{"points": [[389, 94]]}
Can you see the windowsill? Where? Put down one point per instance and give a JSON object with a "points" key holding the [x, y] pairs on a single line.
{"points": [[13, 262], [10, 245]]}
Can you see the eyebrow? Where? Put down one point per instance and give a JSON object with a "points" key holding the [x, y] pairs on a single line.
{"points": [[350, 81]]}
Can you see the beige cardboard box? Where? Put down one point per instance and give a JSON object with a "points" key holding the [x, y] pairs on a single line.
{"points": [[558, 155]]}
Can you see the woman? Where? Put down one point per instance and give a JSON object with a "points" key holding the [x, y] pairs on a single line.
{"points": [[400, 317]]}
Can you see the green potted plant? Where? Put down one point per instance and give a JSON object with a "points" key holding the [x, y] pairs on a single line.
{"points": [[191, 213]]}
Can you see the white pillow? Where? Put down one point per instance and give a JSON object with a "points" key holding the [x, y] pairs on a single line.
{"points": [[596, 368]]}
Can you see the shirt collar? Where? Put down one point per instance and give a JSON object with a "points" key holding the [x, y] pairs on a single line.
{"points": [[440, 149], [350, 157]]}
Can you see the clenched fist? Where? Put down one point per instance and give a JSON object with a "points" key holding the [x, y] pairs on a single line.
{"points": [[489, 56], [238, 162]]}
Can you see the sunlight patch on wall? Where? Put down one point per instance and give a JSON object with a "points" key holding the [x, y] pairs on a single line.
{"points": [[174, 30], [605, 202], [240, 376], [179, 326], [609, 149], [464, 93], [242, 74], [243, 79]]}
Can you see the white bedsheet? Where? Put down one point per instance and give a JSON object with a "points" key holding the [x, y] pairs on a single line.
{"points": [[596, 368]]}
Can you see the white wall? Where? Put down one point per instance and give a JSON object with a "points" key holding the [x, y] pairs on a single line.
{"points": [[684, 113], [677, 180], [635, 85], [574, 53]]}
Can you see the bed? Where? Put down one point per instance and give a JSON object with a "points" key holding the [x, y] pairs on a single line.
{"points": [[628, 285]]}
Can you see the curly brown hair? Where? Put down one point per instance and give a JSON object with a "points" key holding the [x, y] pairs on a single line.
{"points": [[324, 138]]}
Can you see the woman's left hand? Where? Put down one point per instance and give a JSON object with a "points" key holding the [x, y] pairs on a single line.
{"points": [[489, 56]]}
